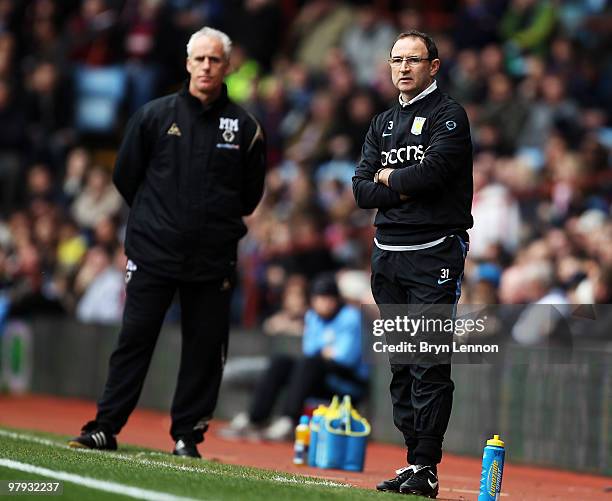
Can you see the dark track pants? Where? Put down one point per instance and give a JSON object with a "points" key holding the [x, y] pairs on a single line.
{"points": [[302, 377], [204, 327], [422, 395]]}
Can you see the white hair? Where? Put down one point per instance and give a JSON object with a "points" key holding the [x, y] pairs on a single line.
{"points": [[211, 32]]}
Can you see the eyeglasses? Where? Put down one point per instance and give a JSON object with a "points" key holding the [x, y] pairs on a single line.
{"points": [[410, 60]]}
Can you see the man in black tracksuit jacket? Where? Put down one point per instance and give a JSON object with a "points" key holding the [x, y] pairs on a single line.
{"points": [[191, 165], [416, 169]]}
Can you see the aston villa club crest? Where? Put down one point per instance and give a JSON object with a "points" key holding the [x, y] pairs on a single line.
{"points": [[229, 126], [417, 125]]}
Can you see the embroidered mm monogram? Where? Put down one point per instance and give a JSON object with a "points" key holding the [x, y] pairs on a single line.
{"points": [[174, 130]]}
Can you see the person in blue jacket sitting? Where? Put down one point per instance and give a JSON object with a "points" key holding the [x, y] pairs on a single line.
{"points": [[332, 363]]}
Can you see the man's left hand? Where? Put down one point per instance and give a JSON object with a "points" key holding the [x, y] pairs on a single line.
{"points": [[383, 176]]}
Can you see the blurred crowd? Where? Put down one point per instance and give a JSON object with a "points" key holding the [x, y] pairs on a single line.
{"points": [[534, 75]]}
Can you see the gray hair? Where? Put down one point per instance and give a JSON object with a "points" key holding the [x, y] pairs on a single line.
{"points": [[211, 32], [540, 272]]}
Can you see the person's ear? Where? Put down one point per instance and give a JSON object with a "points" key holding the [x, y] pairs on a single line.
{"points": [[435, 67]]}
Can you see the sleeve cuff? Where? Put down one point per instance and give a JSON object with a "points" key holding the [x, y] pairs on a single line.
{"points": [[390, 180]]}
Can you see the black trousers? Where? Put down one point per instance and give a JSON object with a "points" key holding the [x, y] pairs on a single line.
{"points": [[204, 327], [422, 395], [302, 378]]}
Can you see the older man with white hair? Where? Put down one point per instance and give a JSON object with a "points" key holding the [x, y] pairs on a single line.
{"points": [[191, 165]]}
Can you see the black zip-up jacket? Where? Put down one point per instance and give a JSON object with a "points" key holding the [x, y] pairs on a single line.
{"points": [[428, 144], [189, 174]]}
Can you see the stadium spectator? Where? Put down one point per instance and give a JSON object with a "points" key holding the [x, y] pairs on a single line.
{"points": [[42, 38], [555, 111], [475, 23], [465, 77], [543, 320], [497, 218], [257, 26], [318, 27], [103, 298], [308, 145], [528, 24], [71, 247], [99, 199], [93, 34], [49, 107], [331, 364], [141, 20], [95, 262], [77, 165], [367, 41], [39, 185], [242, 81], [289, 320], [503, 110]]}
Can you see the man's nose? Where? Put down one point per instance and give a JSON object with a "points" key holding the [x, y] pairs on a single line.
{"points": [[404, 66]]}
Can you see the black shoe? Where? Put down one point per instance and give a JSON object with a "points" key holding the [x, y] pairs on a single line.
{"points": [[423, 482], [393, 485], [94, 436], [186, 448]]}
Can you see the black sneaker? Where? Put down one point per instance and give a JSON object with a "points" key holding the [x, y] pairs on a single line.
{"points": [[94, 437], [423, 482], [393, 485], [186, 448]]}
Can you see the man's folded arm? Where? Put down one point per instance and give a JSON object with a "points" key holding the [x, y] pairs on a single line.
{"points": [[368, 194], [445, 156]]}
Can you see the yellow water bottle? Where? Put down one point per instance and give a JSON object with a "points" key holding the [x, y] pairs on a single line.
{"points": [[302, 441]]}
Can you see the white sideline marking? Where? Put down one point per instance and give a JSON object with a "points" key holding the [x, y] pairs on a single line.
{"points": [[160, 464], [31, 438], [324, 483], [93, 483]]}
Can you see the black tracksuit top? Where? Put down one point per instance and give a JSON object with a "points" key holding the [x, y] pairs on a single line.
{"points": [[189, 174], [428, 144]]}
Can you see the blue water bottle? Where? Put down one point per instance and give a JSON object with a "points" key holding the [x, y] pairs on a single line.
{"points": [[492, 470], [315, 424]]}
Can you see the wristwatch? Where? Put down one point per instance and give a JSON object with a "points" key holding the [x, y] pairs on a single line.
{"points": [[377, 175]]}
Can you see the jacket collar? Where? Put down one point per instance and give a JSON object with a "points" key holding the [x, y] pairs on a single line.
{"points": [[420, 96], [197, 105]]}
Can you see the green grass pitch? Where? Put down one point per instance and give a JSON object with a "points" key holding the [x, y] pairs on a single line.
{"points": [[148, 474]]}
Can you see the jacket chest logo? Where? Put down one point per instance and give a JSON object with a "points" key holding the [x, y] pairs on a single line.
{"points": [[174, 130], [417, 125], [229, 126]]}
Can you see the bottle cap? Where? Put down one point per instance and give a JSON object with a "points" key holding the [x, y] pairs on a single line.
{"points": [[304, 420], [319, 411], [495, 441]]}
